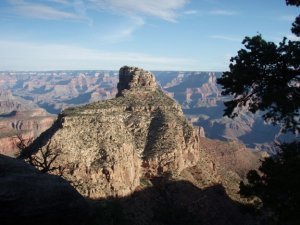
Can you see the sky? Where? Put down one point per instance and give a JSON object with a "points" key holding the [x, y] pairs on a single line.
{"points": [[189, 35]]}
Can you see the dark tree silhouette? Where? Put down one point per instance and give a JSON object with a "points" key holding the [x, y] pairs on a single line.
{"points": [[296, 27], [277, 184], [266, 77], [293, 2], [296, 24], [21, 142], [41, 159], [44, 159]]}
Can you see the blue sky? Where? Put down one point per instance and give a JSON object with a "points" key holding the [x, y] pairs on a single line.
{"points": [[153, 34]]}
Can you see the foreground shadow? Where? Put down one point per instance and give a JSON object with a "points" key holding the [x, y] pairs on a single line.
{"points": [[28, 196], [41, 140], [167, 202]]}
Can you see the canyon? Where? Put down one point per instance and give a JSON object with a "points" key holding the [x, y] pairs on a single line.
{"points": [[20, 119], [139, 148], [196, 92]]}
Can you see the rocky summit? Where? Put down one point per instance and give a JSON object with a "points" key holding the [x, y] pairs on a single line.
{"points": [[107, 147], [135, 80], [110, 148]]}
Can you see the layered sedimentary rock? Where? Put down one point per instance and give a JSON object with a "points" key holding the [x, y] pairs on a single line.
{"points": [[108, 146], [19, 116], [9, 103], [195, 90], [29, 124], [55, 91]]}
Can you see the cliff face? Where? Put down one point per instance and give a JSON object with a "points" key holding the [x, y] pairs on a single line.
{"points": [[20, 116], [54, 91], [195, 90], [30, 124], [9, 103], [114, 147], [108, 146]]}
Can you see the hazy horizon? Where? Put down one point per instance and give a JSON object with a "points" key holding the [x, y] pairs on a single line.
{"points": [[101, 70]]}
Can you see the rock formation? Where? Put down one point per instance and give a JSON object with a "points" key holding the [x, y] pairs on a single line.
{"points": [[135, 80], [197, 93], [55, 91], [29, 197], [9, 103], [222, 162], [108, 147], [20, 117], [29, 124], [195, 90]]}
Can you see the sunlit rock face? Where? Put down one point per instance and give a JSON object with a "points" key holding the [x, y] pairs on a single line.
{"points": [[135, 80], [108, 146]]}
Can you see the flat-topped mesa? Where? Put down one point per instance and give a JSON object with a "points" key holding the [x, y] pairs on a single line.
{"points": [[135, 80]]}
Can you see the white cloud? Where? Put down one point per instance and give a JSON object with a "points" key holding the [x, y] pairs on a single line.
{"points": [[293, 37], [78, 9], [227, 38], [31, 56], [221, 12], [40, 11], [190, 12], [124, 32], [166, 10]]}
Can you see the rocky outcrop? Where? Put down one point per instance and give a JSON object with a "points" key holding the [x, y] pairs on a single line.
{"points": [[200, 132], [31, 120], [29, 197], [108, 146], [29, 124], [55, 91], [135, 80], [10, 103], [225, 163], [195, 90], [231, 155]]}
